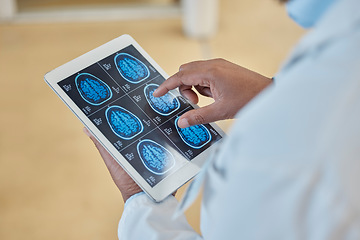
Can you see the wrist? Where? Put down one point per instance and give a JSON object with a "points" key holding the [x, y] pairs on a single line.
{"points": [[133, 197], [129, 192]]}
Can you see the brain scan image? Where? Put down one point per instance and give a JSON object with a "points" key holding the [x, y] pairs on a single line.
{"points": [[130, 68], [164, 105], [194, 136], [155, 157], [92, 89], [123, 123]]}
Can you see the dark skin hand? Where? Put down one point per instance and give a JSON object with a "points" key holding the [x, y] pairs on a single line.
{"points": [[123, 181], [230, 85]]}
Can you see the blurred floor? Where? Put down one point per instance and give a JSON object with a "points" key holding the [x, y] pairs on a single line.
{"points": [[53, 184]]}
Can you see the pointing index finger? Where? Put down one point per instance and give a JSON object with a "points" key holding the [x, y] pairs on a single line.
{"points": [[189, 74], [170, 84]]}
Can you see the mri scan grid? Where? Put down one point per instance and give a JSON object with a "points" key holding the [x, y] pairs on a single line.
{"points": [[116, 95]]}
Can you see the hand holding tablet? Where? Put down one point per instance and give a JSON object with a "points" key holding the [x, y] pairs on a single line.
{"points": [[123, 181], [110, 89]]}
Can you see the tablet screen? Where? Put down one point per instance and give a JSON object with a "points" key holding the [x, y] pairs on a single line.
{"points": [[115, 94]]}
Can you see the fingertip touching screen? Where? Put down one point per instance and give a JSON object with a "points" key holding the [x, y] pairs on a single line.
{"points": [[115, 93]]}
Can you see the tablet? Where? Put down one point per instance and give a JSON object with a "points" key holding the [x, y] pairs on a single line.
{"points": [[110, 90]]}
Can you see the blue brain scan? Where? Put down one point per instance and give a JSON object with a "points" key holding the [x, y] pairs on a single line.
{"points": [[194, 136], [130, 68], [92, 89], [164, 105], [123, 123], [155, 157]]}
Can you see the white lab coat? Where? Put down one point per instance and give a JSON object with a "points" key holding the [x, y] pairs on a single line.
{"points": [[290, 167]]}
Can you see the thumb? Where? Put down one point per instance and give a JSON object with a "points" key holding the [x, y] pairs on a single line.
{"points": [[108, 159], [207, 114]]}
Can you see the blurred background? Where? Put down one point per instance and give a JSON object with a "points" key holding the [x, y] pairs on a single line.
{"points": [[53, 183]]}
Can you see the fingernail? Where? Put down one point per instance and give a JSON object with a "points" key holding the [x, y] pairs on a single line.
{"points": [[183, 123], [155, 92]]}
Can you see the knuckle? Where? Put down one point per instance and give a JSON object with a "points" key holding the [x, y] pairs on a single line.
{"points": [[218, 60], [182, 67], [199, 119], [179, 74], [213, 70]]}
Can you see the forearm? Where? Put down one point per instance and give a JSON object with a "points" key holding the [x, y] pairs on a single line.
{"points": [[144, 219]]}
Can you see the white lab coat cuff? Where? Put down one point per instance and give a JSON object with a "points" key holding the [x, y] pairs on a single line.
{"points": [[144, 219]]}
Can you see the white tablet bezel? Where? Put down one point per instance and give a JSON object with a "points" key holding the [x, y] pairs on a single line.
{"points": [[166, 186]]}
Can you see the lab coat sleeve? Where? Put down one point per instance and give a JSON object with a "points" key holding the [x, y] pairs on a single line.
{"points": [[144, 219]]}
